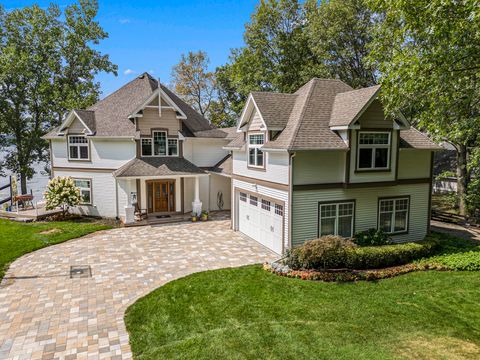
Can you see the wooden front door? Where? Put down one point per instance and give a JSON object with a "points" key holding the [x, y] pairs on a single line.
{"points": [[161, 196]]}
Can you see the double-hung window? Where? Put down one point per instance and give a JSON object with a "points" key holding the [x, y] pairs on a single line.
{"points": [[85, 186], [336, 219], [373, 150], [172, 147], [147, 147], [78, 148], [255, 153], [393, 215]]}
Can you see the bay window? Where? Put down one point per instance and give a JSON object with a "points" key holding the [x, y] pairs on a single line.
{"points": [[336, 219], [393, 215], [78, 148], [255, 153], [373, 151]]}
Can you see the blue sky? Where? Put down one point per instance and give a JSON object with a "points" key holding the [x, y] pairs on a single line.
{"points": [[151, 35]]}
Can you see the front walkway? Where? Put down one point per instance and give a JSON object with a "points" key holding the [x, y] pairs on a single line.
{"points": [[46, 314]]}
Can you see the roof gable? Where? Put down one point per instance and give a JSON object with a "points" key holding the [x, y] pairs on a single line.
{"points": [[83, 118]]}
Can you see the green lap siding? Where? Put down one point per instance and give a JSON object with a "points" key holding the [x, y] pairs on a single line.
{"points": [[305, 209]]}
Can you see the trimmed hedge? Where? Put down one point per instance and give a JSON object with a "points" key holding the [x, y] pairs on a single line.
{"points": [[372, 237], [337, 253]]}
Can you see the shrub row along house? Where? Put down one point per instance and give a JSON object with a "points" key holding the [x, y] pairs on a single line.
{"points": [[324, 160]]}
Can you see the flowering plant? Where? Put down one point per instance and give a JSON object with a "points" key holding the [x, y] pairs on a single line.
{"points": [[62, 192]]}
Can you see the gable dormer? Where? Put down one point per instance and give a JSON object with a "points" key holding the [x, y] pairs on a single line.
{"points": [[79, 122]]}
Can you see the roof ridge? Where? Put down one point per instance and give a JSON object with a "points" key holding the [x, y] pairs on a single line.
{"points": [[300, 117]]}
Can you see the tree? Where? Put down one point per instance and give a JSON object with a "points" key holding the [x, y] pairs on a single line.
{"points": [[62, 192], [428, 54], [339, 33], [192, 80], [47, 66]]}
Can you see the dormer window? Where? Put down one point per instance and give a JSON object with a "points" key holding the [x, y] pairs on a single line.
{"points": [[159, 145], [373, 151], [255, 154], [78, 148]]}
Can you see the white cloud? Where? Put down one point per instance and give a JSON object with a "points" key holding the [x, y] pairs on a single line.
{"points": [[124, 21], [151, 72], [129, 72]]}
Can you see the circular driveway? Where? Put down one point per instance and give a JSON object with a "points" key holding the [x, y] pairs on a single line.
{"points": [[49, 312]]}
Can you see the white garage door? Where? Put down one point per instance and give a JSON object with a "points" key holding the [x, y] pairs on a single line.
{"points": [[261, 219]]}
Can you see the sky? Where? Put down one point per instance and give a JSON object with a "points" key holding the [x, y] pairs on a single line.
{"points": [[152, 35]]}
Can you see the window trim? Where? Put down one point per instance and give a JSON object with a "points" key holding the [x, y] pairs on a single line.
{"points": [[336, 202], [167, 138], [266, 205], [90, 189], [78, 147], [402, 197], [373, 147], [256, 146]]}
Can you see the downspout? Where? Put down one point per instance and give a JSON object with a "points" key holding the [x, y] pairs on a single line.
{"points": [[116, 199], [290, 192]]}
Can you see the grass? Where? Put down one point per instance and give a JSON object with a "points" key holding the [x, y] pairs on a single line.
{"points": [[17, 239], [445, 203], [248, 313]]}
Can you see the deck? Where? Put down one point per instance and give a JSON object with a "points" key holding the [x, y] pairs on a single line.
{"points": [[31, 214]]}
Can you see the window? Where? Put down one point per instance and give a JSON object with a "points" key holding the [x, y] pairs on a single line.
{"points": [[266, 205], [253, 200], [85, 186], [78, 148], [393, 215], [336, 219], [159, 143], [146, 147], [279, 209], [255, 154], [172, 147], [373, 150], [243, 197]]}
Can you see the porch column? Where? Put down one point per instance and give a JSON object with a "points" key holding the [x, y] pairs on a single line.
{"points": [[197, 204]]}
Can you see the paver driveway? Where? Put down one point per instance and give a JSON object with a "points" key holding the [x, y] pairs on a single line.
{"points": [[46, 314]]}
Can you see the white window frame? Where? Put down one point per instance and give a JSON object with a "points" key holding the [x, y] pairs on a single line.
{"points": [[278, 209], [373, 147], [82, 189], [337, 216], [394, 214], [256, 147], [167, 145], [78, 146], [266, 205], [252, 201]]}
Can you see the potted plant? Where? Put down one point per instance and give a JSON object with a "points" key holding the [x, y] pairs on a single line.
{"points": [[194, 217], [204, 216]]}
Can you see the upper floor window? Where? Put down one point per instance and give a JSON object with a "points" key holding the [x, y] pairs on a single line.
{"points": [[159, 145], [373, 151], [255, 154], [78, 148]]}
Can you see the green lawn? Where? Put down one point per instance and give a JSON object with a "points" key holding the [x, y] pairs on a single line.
{"points": [[248, 313], [17, 239]]}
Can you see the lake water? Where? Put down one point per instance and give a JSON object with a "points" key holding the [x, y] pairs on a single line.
{"points": [[37, 184]]}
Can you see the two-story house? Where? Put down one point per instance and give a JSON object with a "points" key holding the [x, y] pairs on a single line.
{"points": [[328, 160], [142, 145]]}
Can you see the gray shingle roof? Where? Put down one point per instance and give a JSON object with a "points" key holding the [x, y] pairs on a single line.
{"points": [[414, 139], [349, 104], [110, 114], [237, 143], [275, 108], [157, 166], [224, 166], [88, 117], [226, 133]]}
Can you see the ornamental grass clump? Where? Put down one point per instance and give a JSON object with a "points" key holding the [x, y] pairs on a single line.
{"points": [[62, 193]]}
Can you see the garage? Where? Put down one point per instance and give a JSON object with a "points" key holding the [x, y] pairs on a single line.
{"points": [[261, 219]]}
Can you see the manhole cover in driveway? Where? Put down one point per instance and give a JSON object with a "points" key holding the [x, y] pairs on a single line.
{"points": [[80, 271]]}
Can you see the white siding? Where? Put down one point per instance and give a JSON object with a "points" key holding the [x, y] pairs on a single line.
{"points": [[103, 193], [318, 167], [125, 188], [256, 122], [414, 164], [204, 152], [106, 154], [265, 191], [276, 169], [305, 209], [76, 127], [223, 184]]}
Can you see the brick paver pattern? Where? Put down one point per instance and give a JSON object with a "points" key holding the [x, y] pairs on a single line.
{"points": [[45, 314]]}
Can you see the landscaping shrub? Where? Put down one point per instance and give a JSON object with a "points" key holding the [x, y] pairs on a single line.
{"points": [[372, 237], [327, 252], [337, 253]]}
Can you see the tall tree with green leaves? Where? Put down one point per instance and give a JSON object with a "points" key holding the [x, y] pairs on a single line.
{"points": [[276, 56], [339, 33], [428, 54], [47, 67]]}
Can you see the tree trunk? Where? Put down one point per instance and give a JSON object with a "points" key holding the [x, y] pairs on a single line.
{"points": [[23, 183], [462, 178]]}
